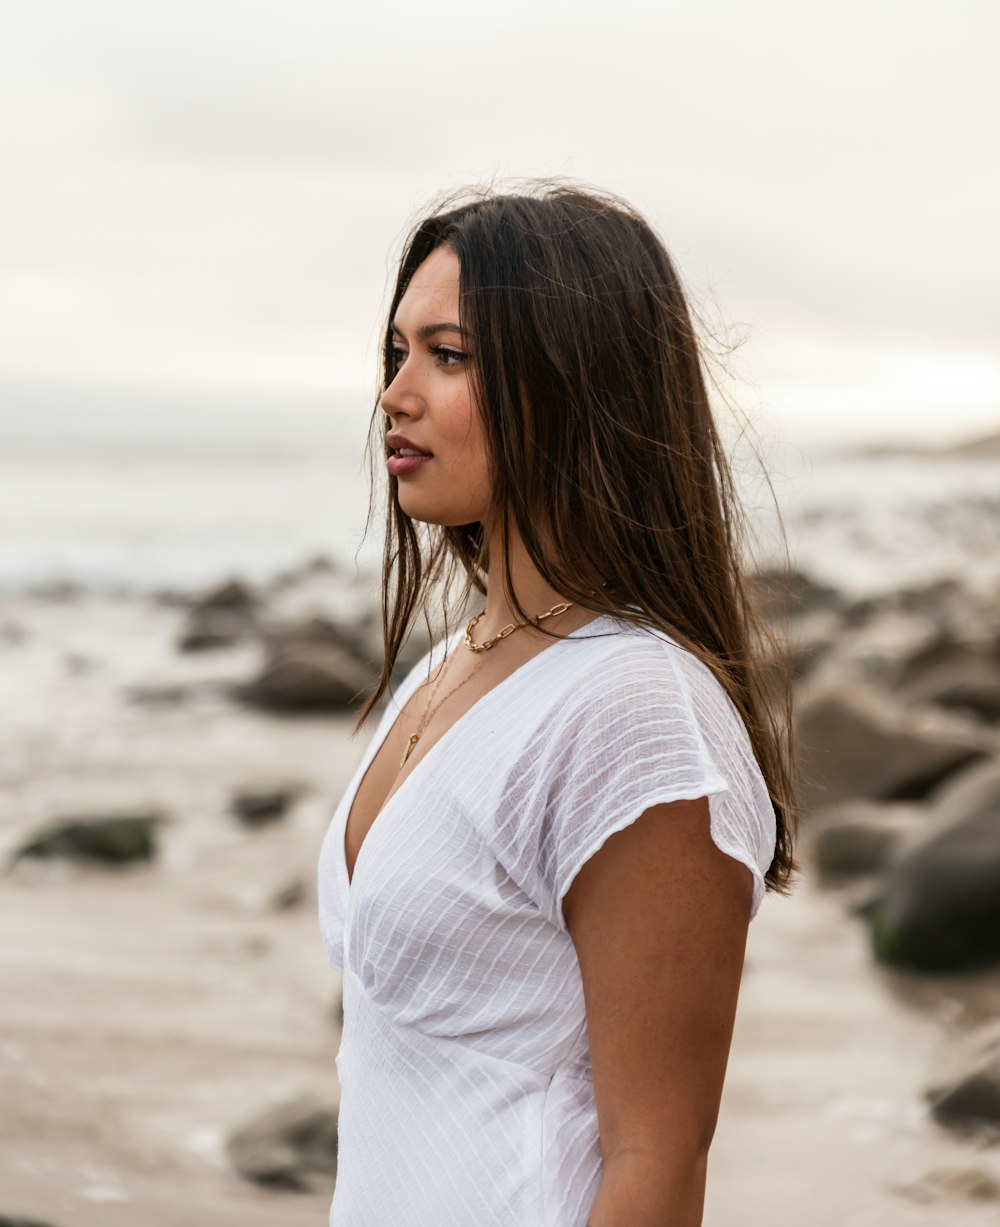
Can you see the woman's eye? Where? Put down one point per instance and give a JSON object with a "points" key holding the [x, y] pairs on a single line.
{"points": [[444, 357]]}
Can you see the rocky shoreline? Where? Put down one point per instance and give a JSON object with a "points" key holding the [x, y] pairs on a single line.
{"points": [[170, 1023]]}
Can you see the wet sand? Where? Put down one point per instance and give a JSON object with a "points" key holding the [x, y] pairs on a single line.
{"points": [[146, 1013]]}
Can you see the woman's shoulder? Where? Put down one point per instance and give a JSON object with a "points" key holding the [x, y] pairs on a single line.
{"points": [[624, 654], [631, 718], [631, 677], [609, 662]]}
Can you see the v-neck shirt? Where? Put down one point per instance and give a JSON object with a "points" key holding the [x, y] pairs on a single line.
{"points": [[466, 1092]]}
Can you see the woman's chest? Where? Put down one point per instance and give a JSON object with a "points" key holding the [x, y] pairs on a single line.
{"points": [[434, 928], [461, 715]]}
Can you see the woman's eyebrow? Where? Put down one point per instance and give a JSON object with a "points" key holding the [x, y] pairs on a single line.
{"points": [[429, 330]]}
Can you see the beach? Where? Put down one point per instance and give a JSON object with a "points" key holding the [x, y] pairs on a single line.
{"points": [[151, 1010]]}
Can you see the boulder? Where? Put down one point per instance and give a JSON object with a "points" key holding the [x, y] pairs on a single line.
{"points": [[115, 840], [939, 598], [780, 594], [256, 807], [78, 664], [291, 1146], [318, 565], [874, 649], [169, 695], [965, 1183], [224, 616], [965, 1095], [938, 908], [954, 674], [860, 838], [307, 677], [975, 696], [809, 640], [287, 895], [59, 591], [352, 639], [13, 634], [7, 1220], [853, 742], [941, 601]]}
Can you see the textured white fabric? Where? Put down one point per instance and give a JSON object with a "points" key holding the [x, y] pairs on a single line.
{"points": [[464, 1067]]}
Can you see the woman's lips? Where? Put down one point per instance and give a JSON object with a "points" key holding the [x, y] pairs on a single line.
{"points": [[399, 466]]}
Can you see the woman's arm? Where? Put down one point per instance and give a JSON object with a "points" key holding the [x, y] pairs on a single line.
{"points": [[659, 919]]}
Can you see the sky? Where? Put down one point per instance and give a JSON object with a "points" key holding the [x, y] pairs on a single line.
{"points": [[203, 200]]}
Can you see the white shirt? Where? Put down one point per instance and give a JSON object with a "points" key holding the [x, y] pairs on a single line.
{"points": [[466, 1090]]}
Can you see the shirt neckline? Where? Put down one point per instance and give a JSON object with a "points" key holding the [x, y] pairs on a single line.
{"points": [[449, 643]]}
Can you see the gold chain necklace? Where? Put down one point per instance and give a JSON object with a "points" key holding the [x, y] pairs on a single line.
{"points": [[482, 647], [510, 628]]}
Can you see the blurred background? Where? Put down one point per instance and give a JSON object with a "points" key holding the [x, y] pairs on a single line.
{"points": [[202, 207]]}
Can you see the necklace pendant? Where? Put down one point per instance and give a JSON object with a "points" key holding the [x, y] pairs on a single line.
{"points": [[409, 747]]}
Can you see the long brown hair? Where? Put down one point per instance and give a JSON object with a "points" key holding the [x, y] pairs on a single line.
{"points": [[602, 449]]}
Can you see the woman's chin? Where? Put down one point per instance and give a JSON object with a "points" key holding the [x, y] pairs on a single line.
{"points": [[428, 513]]}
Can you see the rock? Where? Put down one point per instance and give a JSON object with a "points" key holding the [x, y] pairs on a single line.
{"points": [[232, 597], [288, 896], [938, 908], [159, 696], [257, 807], [953, 674], [354, 640], [320, 664], [861, 837], [292, 1146], [940, 601], [77, 664], [317, 565], [981, 447], [59, 591], [224, 616], [170, 598], [12, 634], [7, 1221], [860, 610], [973, 1101], [809, 641], [853, 742], [978, 697], [114, 840], [307, 677], [874, 650], [966, 1183], [781, 594], [966, 1094]]}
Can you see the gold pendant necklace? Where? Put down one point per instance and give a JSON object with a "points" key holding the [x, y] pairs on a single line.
{"points": [[425, 719]]}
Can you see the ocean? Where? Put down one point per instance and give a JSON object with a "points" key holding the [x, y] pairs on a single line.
{"points": [[136, 522]]}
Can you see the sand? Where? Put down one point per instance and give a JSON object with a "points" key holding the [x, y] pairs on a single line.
{"points": [[146, 1013]]}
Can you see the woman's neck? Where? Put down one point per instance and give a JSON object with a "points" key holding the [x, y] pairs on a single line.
{"points": [[532, 591]]}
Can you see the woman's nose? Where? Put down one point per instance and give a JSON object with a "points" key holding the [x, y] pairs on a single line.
{"points": [[400, 397]]}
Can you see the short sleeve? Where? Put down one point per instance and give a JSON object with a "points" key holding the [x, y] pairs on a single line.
{"points": [[649, 724]]}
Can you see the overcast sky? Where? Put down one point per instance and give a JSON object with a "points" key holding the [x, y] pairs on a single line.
{"points": [[202, 199]]}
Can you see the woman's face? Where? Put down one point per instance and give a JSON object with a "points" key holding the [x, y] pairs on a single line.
{"points": [[431, 402]]}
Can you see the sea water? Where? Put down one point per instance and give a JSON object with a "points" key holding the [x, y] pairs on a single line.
{"points": [[136, 521]]}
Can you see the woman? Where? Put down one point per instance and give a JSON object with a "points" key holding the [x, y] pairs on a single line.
{"points": [[539, 882]]}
